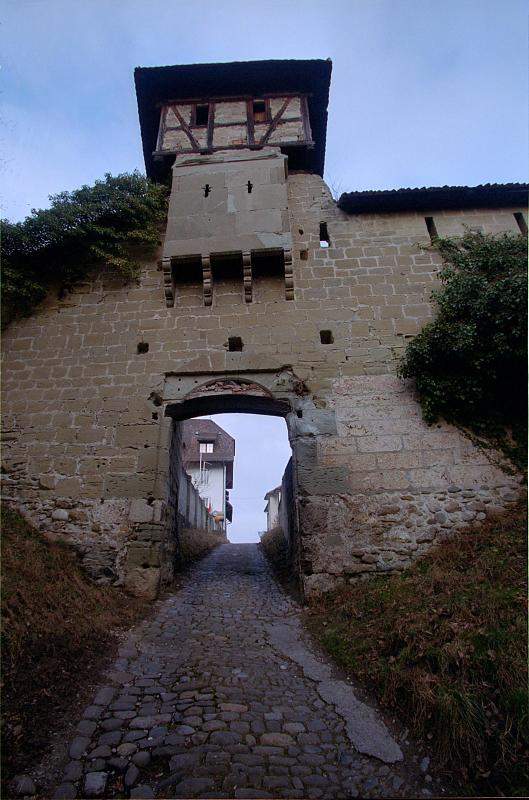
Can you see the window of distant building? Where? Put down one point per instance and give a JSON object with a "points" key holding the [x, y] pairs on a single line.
{"points": [[206, 447]]}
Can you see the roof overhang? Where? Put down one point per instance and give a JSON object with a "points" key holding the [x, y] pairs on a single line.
{"points": [[157, 85], [435, 198]]}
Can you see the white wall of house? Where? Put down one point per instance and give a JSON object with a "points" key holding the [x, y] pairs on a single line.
{"points": [[211, 484], [272, 511]]}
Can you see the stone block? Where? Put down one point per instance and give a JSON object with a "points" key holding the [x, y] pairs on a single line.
{"points": [[140, 511], [143, 555], [142, 582]]}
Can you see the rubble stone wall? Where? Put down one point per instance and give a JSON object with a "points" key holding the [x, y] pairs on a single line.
{"points": [[86, 443]]}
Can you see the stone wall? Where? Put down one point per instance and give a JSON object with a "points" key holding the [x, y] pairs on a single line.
{"points": [[87, 444]]}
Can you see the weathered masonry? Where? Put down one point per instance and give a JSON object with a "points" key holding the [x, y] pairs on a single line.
{"points": [[268, 297]]}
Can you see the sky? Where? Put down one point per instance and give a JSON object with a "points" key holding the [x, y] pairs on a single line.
{"points": [[262, 451], [423, 93]]}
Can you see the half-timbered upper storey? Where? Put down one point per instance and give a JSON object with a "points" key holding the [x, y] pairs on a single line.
{"points": [[203, 108], [206, 125]]}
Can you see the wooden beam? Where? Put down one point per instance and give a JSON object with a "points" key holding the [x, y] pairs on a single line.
{"points": [[306, 119], [161, 128], [273, 124], [211, 123], [250, 122], [185, 128], [189, 101]]}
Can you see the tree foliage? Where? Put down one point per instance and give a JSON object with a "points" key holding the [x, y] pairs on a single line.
{"points": [[470, 363], [109, 223]]}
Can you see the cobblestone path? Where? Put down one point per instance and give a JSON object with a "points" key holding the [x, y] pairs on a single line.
{"points": [[221, 695]]}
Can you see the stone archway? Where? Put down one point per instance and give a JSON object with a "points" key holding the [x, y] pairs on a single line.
{"points": [[151, 551], [227, 394]]}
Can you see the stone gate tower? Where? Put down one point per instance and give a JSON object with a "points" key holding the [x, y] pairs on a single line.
{"points": [[226, 136], [268, 296]]}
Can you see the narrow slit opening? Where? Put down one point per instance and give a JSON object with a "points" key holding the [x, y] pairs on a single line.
{"points": [[324, 235], [521, 222], [432, 230]]}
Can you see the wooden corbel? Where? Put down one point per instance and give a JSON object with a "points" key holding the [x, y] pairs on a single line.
{"points": [[207, 283], [168, 286], [247, 275], [289, 275]]}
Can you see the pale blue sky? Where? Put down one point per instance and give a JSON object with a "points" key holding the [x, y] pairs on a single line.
{"points": [[424, 92], [262, 451]]}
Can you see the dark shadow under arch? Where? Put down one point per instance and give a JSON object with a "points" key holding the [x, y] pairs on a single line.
{"points": [[227, 403]]}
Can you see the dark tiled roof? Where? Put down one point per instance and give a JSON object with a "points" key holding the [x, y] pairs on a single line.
{"points": [[155, 85], [435, 198], [205, 430]]}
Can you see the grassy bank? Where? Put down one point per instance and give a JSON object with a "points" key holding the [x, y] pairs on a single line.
{"points": [[445, 646], [195, 543], [58, 630]]}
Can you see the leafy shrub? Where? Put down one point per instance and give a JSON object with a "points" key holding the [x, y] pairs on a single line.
{"points": [[470, 363], [106, 223]]}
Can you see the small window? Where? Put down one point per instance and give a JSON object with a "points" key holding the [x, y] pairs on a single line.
{"points": [[206, 447], [324, 235], [202, 115], [326, 337], [259, 111]]}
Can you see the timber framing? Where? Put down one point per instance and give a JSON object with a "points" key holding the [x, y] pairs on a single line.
{"points": [[273, 123], [309, 80]]}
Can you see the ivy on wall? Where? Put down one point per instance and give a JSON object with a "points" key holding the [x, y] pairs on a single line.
{"points": [[470, 363], [112, 223]]}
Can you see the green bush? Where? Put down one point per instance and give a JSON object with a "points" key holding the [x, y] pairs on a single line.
{"points": [[104, 224], [470, 363]]}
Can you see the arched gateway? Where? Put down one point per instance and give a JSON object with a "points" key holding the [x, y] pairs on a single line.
{"points": [[268, 297], [154, 542]]}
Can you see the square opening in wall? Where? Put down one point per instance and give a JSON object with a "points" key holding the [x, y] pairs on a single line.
{"points": [[326, 337], [235, 344], [187, 271], [268, 264], [226, 266]]}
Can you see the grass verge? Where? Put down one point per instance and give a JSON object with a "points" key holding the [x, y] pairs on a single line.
{"points": [[195, 543], [276, 550], [58, 631], [444, 645]]}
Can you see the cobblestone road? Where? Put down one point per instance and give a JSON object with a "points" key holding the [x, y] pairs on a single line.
{"points": [[221, 695]]}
